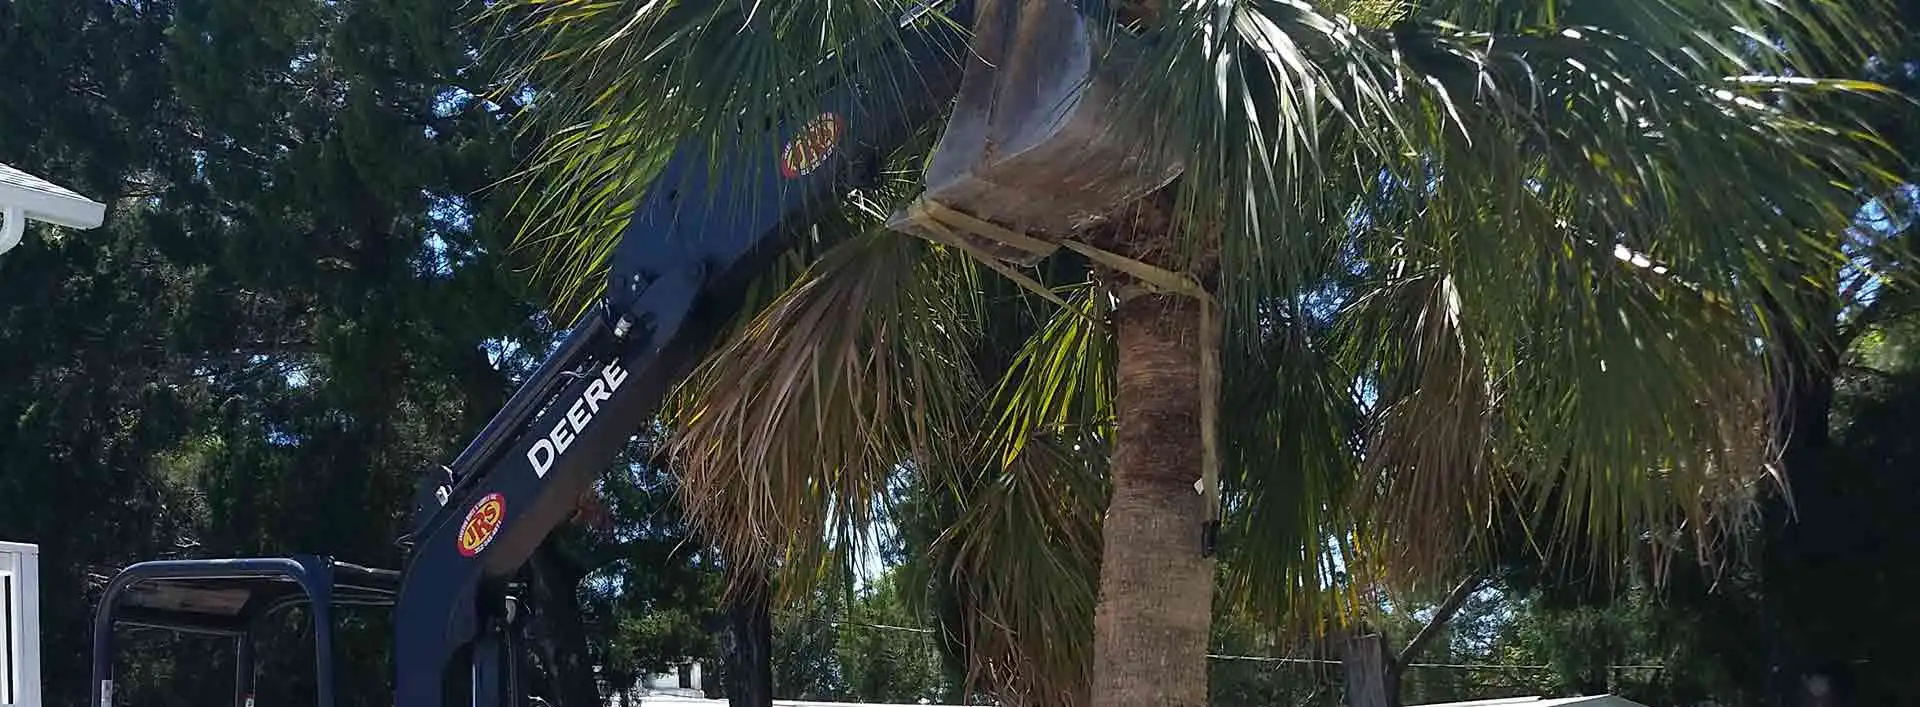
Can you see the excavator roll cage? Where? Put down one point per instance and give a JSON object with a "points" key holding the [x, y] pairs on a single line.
{"points": [[675, 279], [234, 598]]}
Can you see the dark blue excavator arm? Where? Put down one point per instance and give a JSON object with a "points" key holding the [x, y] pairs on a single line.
{"points": [[1029, 145], [1029, 142], [676, 278]]}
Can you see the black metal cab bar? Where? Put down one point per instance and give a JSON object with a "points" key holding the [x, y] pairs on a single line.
{"points": [[227, 598]]}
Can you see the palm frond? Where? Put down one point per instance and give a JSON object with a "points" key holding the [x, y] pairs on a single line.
{"points": [[578, 195], [1290, 437], [1428, 466], [614, 89], [1019, 556], [1060, 384], [791, 431], [1481, 181], [1748, 36], [705, 69], [1284, 111], [1024, 560], [1551, 373]]}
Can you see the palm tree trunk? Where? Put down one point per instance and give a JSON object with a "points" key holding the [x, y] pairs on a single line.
{"points": [[1370, 677], [750, 628], [1156, 587], [1804, 391]]}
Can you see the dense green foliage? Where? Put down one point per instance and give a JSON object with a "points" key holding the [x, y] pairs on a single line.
{"points": [[864, 645], [296, 305], [304, 296], [286, 317]]}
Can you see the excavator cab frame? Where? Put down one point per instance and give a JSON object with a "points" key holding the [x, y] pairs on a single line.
{"points": [[234, 599]]}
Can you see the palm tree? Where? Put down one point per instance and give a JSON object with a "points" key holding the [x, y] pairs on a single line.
{"points": [[1425, 262]]}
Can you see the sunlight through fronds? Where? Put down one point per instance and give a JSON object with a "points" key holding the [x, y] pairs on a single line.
{"points": [[1477, 168], [1060, 386]]}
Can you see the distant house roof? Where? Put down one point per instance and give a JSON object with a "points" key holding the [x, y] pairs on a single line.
{"points": [[1532, 701], [1537, 701]]}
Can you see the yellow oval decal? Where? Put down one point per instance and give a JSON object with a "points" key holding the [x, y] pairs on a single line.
{"points": [[811, 147], [482, 523]]}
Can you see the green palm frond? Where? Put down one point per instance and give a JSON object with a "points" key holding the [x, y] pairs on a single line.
{"points": [[578, 195], [614, 88], [1284, 111], [1713, 35], [1528, 371], [1060, 384], [1024, 553], [696, 68], [1024, 560], [1289, 433], [1479, 164]]}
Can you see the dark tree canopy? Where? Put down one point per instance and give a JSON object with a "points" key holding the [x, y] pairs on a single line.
{"points": [[290, 312]]}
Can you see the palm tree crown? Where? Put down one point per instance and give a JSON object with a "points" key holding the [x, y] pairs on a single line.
{"points": [[1472, 258]]}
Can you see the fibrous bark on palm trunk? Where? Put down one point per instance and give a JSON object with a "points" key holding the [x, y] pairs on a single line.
{"points": [[1156, 587], [1156, 578]]}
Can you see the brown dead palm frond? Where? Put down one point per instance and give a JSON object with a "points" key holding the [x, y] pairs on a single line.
{"points": [[791, 431]]}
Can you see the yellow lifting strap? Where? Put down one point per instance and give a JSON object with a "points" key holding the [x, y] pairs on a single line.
{"points": [[949, 226]]}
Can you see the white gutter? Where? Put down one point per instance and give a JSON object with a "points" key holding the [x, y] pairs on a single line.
{"points": [[26, 197], [13, 226]]}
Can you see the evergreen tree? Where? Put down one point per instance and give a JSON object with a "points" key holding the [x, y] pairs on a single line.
{"points": [[298, 303]]}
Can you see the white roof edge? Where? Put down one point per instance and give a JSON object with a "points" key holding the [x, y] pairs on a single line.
{"points": [[21, 548], [42, 200]]}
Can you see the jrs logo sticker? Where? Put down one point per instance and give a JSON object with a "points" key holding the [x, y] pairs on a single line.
{"points": [[811, 147], [482, 523]]}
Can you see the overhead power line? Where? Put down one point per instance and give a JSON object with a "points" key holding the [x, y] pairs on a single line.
{"points": [[1454, 666], [1260, 658]]}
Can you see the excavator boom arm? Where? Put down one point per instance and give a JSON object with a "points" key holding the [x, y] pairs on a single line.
{"points": [[700, 235]]}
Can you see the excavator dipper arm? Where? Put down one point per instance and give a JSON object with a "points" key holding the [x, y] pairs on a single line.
{"points": [[676, 278]]}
